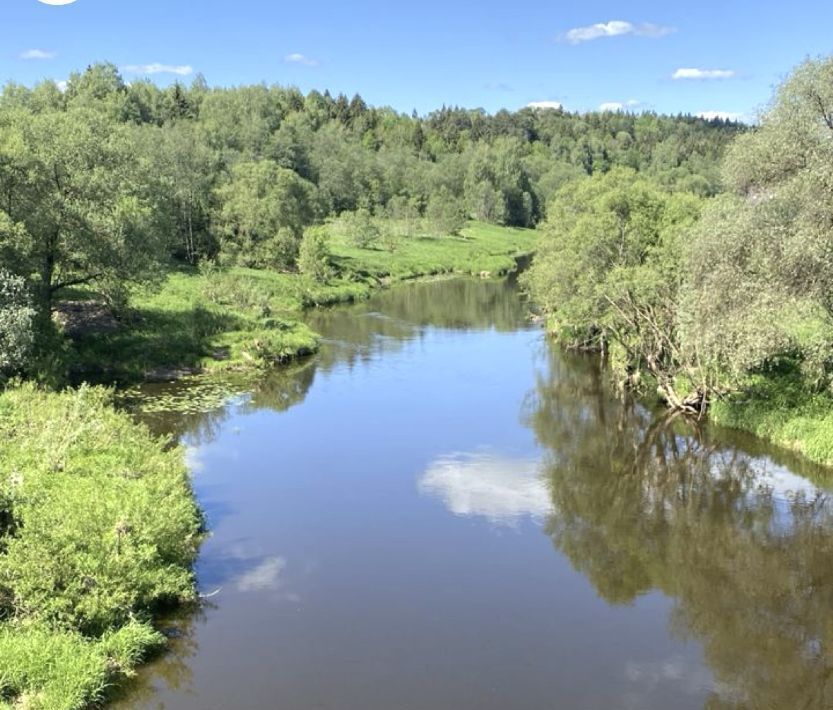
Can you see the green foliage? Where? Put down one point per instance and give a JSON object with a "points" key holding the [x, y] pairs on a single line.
{"points": [[444, 214], [608, 270], [784, 408], [17, 323], [737, 304], [265, 210], [359, 228], [479, 248], [314, 258], [104, 184], [761, 261], [99, 529], [72, 180]]}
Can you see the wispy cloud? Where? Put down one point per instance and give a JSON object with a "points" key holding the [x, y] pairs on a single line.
{"points": [[619, 105], [57, 2], [498, 86], [722, 115], [179, 69], [37, 54], [544, 104], [615, 28], [694, 73], [298, 58]]}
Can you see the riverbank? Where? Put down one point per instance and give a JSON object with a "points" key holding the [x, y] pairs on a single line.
{"points": [[215, 319], [784, 411], [98, 530], [99, 527]]}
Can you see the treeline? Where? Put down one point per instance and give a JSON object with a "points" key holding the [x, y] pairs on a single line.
{"points": [[103, 182], [709, 296]]}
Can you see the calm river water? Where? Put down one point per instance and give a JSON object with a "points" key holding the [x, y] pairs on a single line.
{"points": [[441, 512]]}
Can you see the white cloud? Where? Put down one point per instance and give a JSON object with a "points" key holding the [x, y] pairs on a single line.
{"points": [[57, 2], [501, 489], [62, 86], [181, 70], [37, 54], [694, 73], [615, 28], [544, 104], [722, 115], [298, 58], [619, 105]]}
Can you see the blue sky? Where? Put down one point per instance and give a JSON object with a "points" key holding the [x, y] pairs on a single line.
{"points": [[423, 54]]}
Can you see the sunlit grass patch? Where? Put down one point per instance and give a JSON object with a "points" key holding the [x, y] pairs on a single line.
{"points": [[98, 530]]}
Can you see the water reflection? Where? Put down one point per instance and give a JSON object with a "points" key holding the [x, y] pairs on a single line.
{"points": [[327, 556], [745, 548], [500, 489], [196, 408]]}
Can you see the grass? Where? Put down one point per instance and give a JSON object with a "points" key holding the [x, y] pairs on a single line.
{"points": [[98, 531], [233, 319], [479, 248], [782, 409]]}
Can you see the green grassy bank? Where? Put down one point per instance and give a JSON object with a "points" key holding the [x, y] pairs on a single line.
{"points": [[237, 318], [784, 410], [98, 531]]}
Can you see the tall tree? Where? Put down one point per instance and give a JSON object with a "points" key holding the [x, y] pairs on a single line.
{"points": [[72, 181]]}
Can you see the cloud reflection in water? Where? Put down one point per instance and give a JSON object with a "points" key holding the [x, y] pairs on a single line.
{"points": [[503, 490]]}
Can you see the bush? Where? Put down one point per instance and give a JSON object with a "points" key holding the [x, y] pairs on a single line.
{"points": [[17, 318], [359, 228], [314, 258], [100, 530]]}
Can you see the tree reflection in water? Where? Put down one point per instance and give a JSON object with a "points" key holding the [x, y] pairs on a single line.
{"points": [[647, 502]]}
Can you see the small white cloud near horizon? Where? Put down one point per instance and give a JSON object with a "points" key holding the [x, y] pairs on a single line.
{"points": [[695, 73], [615, 28], [545, 105], [57, 2], [62, 85], [614, 106], [156, 68], [37, 54], [298, 58], [722, 115]]}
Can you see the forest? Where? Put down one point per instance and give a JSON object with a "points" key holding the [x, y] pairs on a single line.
{"points": [[148, 232], [107, 185]]}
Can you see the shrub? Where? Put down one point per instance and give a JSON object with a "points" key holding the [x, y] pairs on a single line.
{"points": [[17, 319]]}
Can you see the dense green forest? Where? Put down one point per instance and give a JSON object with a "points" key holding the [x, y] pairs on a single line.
{"points": [[106, 185], [724, 301]]}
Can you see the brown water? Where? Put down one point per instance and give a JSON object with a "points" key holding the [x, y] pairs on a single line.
{"points": [[441, 512]]}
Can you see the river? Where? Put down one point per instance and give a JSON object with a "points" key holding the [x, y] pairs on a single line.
{"points": [[441, 511]]}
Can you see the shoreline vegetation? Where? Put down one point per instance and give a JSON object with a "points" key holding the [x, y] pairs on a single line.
{"points": [[220, 319], [720, 305], [147, 233], [99, 530]]}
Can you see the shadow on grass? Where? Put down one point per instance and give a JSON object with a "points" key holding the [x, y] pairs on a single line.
{"points": [[150, 339]]}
